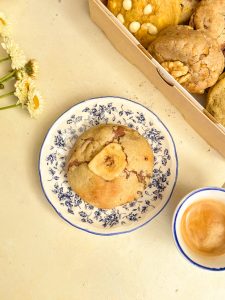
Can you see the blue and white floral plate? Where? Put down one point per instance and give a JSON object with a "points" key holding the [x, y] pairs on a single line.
{"points": [[61, 138]]}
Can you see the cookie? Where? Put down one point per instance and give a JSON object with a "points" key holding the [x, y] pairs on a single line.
{"points": [[192, 57], [110, 165], [209, 16], [144, 19], [216, 100], [187, 9]]}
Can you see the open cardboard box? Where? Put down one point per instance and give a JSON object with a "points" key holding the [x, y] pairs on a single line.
{"points": [[190, 106]]}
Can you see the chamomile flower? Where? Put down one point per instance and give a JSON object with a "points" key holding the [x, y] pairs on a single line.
{"points": [[22, 87], [4, 26], [24, 72], [35, 102], [16, 54], [32, 68], [20, 74]]}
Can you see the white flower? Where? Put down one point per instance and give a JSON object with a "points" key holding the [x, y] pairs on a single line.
{"points": [[22, 87], [20, 74], [28, 96], [4, 26], [35, 102], [15, 52], [32, 68]]}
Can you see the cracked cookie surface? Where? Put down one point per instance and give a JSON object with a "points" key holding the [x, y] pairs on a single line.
{"points": [[110, 165], [146, 18], [209, 16], [192, 57]]}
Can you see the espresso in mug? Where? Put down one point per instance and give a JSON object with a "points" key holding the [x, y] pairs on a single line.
{"points": [[203, 227]]}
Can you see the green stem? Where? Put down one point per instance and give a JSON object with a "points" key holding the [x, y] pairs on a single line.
{"points": [[7, 76], [10, 106], [7, 94], [4, 58]]}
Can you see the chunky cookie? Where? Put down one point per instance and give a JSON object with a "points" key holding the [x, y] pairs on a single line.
{"points": [[146, 18], [216, 100], [187, 9], [192, 57], [110, 165], [209, 16]]}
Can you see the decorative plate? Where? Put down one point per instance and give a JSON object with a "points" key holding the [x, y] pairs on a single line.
{"points": [[61, 138]]}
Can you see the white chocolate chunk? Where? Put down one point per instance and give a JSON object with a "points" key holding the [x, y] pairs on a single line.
{"points": [[145, 26], [120, 17], [134, 26], [152, 29], [127, 4], [148, 9]]}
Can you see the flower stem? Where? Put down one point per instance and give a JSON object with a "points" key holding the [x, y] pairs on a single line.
{"points": [[7, 94], [7, 76], [4, 58], [10, 106]]}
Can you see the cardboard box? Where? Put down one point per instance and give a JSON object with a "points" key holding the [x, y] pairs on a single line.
{"points": [[190, 107]]}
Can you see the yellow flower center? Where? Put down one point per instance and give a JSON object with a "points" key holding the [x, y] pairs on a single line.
{"points": [[2, 21], [27, 86], [36, 102]]}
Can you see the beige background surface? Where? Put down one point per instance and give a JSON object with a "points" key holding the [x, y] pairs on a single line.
{"points": [[42, 257]]}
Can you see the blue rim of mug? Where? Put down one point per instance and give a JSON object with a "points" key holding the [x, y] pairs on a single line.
{"points": [[116, 232], [176, 239]]}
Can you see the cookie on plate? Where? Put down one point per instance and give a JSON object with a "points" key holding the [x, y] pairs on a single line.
{"points": [[216, 100], [209, 16], [144, 19], [110, 165], [192, 57], [187, 9]]}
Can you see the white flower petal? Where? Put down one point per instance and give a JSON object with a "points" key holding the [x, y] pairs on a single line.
{"points": [[4, 26], [35, 102], [15, 52], [22, 87]]}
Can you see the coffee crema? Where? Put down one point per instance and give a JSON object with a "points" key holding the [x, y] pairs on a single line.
{"points": [[203, 227]]}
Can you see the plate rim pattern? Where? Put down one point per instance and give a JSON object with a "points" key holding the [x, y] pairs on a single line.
{"points": [[116, 232]]}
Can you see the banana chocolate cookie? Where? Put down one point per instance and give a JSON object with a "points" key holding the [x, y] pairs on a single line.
{"points": [[145, 18], [110, 165]]}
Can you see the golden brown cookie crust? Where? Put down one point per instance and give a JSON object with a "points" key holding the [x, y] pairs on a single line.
{"points": [[193, 58], [187, 9], [216, 100], [147, 17], [209, 16], [126, 186]]}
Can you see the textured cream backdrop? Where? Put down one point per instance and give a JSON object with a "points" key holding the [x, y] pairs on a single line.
{"points": [[42, 257]]}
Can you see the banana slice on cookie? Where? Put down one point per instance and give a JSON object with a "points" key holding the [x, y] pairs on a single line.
{"points": [[109, 163]]}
